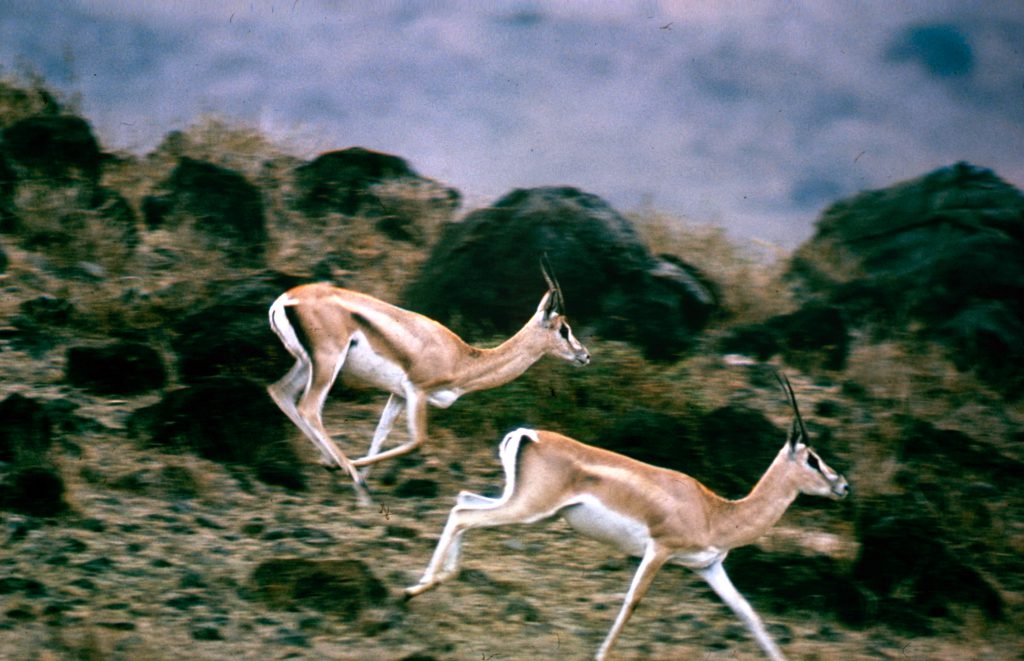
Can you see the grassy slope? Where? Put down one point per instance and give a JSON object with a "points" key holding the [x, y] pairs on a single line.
{"points": [[148, 566]]}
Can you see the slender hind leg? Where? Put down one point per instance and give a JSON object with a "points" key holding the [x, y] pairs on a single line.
{"points": [[323, 372], [285, 392]]}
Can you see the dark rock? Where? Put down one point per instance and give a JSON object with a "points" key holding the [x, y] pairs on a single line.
{"points": [[417, 488], [656, 438], [221, 203], [224, 419], [908, 564], [27, 430], [339, 587], [123, 368], [53, 146], [34, 490], [483, 276], [813, 337], [231, 336], [340, 180], [787, 582], [943, 254]]}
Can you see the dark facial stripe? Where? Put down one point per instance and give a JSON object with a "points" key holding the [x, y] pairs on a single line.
{"points": [[812, 461]]}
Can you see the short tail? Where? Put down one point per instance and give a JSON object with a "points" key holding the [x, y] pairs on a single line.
{"points": [[508, 453], [282, 325]]}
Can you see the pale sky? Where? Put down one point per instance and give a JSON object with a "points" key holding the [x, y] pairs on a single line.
{"points": [[749, 115]]}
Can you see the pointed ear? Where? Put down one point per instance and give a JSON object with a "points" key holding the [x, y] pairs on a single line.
{"points": [[795, 437], [555, 289], [797, 431], [548, 306]]}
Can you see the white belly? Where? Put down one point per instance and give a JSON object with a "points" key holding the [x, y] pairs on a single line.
{"points": [[363, 364], [442, 399], [592, 518]]}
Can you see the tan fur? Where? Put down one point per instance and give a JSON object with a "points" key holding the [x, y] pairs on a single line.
{"points": [[659, 514], [414, 358]]}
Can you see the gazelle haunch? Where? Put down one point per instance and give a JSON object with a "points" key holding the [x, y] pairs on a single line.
{"points": [[656, 514], [332, 331]]}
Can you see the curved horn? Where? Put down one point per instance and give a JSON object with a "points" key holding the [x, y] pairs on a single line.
{"points": [[784, 382]]}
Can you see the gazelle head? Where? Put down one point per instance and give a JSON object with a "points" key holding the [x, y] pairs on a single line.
{"points": [[550, 316], [813, 476]]}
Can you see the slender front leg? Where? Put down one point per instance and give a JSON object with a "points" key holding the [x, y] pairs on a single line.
{"points": [[652, 561], [387, 421], [719, 581]]}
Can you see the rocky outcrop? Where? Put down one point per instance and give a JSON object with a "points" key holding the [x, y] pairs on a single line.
{"points": [[225, 419], [342, 182], [220, 204], [943, 253]]}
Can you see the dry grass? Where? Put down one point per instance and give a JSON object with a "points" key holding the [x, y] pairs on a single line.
{"points": [[171, 271], [749, 276]]}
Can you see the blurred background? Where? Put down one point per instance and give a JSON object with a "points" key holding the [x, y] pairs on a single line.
{"points": [[826, 190], [750, 116]]}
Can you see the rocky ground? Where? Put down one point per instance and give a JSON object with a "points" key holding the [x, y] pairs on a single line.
{"points": [[154, 504], [159, 557]]}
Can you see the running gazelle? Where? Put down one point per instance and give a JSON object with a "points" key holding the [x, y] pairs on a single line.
{"points": [[330, 331], [653, 513]]}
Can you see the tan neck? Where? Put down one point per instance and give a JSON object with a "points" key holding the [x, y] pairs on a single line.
{"points": [[740, 522], [489, 368]]}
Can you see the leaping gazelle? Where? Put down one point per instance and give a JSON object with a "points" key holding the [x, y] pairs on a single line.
{"points": [[332, 331], [656, 514]]}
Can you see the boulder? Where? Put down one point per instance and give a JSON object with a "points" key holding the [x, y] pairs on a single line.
{"points": [[943, 253], [342, 588], [54, 147], [220, 203], [483, 276], [27, 430], [226, 419], [231, 336], [908, 563], [34, 490], [121, 368], [342, 182], [814, 337]]}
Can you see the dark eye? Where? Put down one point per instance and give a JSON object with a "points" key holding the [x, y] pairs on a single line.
{"points": [[563, 330], [812, 461]]}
